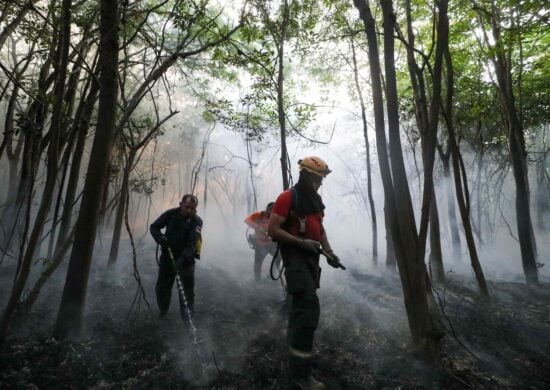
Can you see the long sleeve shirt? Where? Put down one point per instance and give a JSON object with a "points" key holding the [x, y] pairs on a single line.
{"points": [[183, 233]]}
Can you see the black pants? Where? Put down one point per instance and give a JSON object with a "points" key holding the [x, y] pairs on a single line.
{"points": [[165, 282], [302, 276], [260, 252]]}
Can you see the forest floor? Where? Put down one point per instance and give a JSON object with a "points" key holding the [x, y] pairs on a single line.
{"points": [[362, 342]]}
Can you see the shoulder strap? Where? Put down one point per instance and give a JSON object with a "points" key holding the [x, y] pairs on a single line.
{"points": [[292, 214], [294, 198]]}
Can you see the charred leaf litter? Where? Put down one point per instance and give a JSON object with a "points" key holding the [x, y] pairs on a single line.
{"points": [[362, 341]]}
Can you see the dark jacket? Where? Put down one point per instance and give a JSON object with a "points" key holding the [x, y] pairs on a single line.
{"points": [[183, 233]]}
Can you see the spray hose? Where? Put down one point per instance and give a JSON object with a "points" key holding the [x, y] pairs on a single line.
{"points": [[180, 290], [273, 263], [187, 309]]}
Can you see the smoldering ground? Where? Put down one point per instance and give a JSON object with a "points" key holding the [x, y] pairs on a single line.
{"points": [[362, 340]]}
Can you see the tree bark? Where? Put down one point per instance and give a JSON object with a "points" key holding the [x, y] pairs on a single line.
{"points": [[391, 261], [451, 209], [436, 255], [516, 143], [423, 323], [51, 171], [121, 207], [71, 311], [367, 148], [82, 125], [462, 195], [280, 96]]}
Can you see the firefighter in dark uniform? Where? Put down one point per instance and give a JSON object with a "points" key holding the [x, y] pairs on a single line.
{"points": [[183, 236], [297, 224]]}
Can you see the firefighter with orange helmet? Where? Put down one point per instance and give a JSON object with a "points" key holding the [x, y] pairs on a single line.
{"points": [[260, 241], [297, 224]]}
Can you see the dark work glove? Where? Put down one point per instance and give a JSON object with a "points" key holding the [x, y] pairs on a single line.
{"points": [[333, 260], [310, 245], [163, 241]]}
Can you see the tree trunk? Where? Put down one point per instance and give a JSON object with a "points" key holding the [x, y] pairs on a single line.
{"points": [[451, 209], [516, 143], [436, 255], [280, 97], [82, 126], [31, 134], [391, 261], [367, 148], [74, 293], [479, 161], [423, 323], [121, 207], [51, 174], [254, 204], [465, 215], [543, 186], [12, 153], [25, 306], [462, 196], [523, 212]]}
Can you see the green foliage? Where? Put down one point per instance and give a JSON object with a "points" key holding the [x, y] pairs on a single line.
{"points": [[525, 39]]}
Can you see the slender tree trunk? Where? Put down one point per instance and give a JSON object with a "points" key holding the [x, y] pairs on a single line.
{"points": [[427, 119], [367, 148], [121, 207], [451, 209], [12, 153], [254, 204], [31, 135], [391, 261], [425, 327], [82, 125], [52, 170], [436, 255], [74, 293], [523, 212], [414, 274], [462, 195], [518, 155], [280, 96], [543, 187], [205, 194], [516, 143], [479, 159], [465, 215], [25, 306], [104, 203]]}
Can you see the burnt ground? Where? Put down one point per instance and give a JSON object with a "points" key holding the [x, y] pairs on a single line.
{"points": [[362, 341]]}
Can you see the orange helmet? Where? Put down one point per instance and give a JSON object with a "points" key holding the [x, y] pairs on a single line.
{"points": [[315, 165]]}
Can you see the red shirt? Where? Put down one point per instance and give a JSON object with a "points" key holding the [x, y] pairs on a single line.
{"points": [[314, 222], [259, 221]]}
